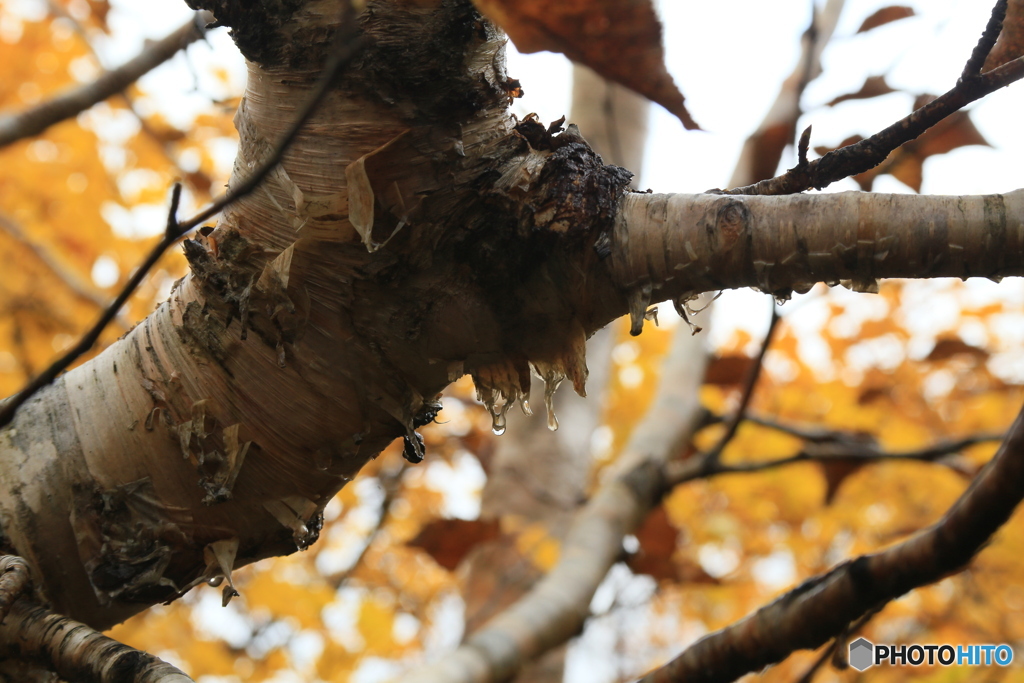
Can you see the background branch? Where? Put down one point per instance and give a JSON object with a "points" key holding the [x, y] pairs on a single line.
{"points": [[37, 119], [870, 152], [76, 652], [823, 607]]}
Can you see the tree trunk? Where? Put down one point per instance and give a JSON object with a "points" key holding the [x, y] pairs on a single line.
{"points": [[413, 233]]}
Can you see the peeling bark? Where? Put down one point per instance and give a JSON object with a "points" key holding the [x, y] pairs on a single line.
{"points": [[413, 233]]}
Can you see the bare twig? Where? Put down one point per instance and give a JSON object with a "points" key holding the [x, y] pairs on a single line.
{"points": [[823, 606], [832, 651], [76, 652], [14, 581], [870, 152], [986, 42], [841, 448], [710, 460], [37, 119], [347, 45]]}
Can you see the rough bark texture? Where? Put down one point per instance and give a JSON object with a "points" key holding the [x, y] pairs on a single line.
{"points": [[413, 233]]}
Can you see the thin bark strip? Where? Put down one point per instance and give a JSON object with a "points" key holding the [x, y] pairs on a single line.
{"points": [[37, 119], [822, 607], [14, 581], [76, 652], [677, 246], [555, 609]]}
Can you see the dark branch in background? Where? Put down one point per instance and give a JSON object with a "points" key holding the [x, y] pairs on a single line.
{"points": [[837, 447], [347, 44], [824, 606], [199, 179], [37, 119], [864, 155], [710, 460], [14, 581]]}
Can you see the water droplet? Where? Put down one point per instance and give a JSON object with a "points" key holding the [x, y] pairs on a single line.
{"points": [[551, 383], [780, 300], [524, 403], [498, 422]]}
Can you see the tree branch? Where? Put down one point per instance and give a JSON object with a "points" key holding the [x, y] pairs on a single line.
{"points": [[822, 607], [347, 45], [37, 119], [76, 652], [870, 152], [676, 246]]}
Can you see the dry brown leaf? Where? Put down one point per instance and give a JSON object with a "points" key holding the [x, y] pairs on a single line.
{"points": [[658, 540], [450, 540], [873, 86], [1011, 41], [619, 39], [886, 15], [728, 370], [947, 348]]}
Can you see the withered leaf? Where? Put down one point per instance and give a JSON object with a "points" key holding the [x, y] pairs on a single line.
{"points": [[619, 39], [728, 370], [658, 540], [835, 473], [873, 86], [448, 541], [886, 15], [906, 163], [947, 348], [1010, 44]]}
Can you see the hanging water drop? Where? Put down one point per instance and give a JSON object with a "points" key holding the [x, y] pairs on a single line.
{"points": [[551, 383], [524, 403], [552, 419], [498, 422]]}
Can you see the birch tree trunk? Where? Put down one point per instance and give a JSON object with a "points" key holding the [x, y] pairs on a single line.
{"points": [[413, 233]]}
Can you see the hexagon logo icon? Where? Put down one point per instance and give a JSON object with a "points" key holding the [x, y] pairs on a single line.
{"points": [[862, 654]]}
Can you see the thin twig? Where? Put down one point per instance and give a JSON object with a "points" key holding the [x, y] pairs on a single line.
{"points": [[823, 606], [37, 119], [866, 154], [986, 42], [844, 449], [711, 458], [832, 650], [347, 45]]}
